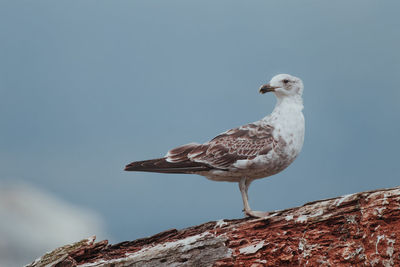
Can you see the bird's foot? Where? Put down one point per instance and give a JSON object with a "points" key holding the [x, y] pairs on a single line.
{"points": [[256, 214]]}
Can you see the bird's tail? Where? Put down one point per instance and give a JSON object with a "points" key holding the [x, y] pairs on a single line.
{"points": [[163, 166]]}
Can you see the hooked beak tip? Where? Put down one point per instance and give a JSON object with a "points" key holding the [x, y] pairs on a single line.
{"points": [[266, 88]]}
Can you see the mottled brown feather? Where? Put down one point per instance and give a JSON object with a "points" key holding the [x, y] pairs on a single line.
{"points": [[245, 142]]}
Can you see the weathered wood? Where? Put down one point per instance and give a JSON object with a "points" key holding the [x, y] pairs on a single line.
{"points": [[360, 229]]}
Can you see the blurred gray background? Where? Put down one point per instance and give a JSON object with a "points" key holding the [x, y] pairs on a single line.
{"points": [[89, 86]]}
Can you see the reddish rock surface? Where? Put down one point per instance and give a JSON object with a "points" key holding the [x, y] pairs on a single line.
{"points": [[360, 229]]}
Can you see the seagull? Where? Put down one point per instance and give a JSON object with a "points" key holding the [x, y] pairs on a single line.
{"points": [[246, 153]]}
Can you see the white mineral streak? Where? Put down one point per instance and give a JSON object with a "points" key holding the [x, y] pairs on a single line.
{"points": [[389, 251], [306, 248], [161, 251], [387, 194], [379, 238], [289, 217], [253, 248], [379, 211], [220, 223], [343, 199], [390, 248], [304, 218], [349, 251]]}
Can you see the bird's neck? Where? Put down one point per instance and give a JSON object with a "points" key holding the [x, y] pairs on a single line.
{"points": [[294, 103]]}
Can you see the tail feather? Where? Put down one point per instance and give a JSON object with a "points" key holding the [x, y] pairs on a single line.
{"points": [[163, 166]]}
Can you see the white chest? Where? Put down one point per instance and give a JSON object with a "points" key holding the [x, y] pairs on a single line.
{"points": [[289, 126]]}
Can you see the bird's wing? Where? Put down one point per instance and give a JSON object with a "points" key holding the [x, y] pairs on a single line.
{"points": [[245, 142], [181, 164]]}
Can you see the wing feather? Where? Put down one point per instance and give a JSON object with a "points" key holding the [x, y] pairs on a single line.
{"points": [[222, 152], [245, 142]]}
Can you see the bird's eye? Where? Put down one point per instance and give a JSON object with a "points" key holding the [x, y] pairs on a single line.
{"points": [[285, 81]]}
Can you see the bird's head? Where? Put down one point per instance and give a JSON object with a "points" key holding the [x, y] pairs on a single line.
{"points": [[283, 85]]}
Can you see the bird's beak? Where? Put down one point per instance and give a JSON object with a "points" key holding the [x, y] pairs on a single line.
{"points": [[267, 88]]}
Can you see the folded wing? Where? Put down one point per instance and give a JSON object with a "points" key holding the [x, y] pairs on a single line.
{"points": [[221, 153]]}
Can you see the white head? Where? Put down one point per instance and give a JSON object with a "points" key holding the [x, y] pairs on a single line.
{"points": [[283, 85]]}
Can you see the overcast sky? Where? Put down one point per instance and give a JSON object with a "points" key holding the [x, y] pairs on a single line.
{"points": [[89, 86]]}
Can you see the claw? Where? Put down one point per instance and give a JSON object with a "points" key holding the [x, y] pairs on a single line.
{"points": [[256, 214]]}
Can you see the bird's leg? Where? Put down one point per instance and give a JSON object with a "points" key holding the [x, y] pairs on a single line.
{"points": [[244, 184]]}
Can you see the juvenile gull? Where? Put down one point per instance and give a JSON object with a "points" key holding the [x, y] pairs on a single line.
{"points": [[249, 152]]}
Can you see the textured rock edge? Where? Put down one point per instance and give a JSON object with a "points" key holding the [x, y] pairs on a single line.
{"points": [[356, 229]]}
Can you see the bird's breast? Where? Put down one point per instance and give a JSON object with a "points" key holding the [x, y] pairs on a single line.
{"points": [[291, 129]]}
